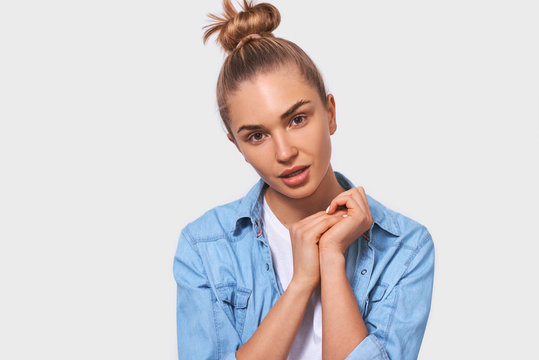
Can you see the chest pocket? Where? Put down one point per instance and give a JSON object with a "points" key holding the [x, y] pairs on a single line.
{"points": [[234, 299], [375, 296]]}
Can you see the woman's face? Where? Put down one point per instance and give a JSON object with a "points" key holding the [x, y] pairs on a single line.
{"points": [[280, 125]]}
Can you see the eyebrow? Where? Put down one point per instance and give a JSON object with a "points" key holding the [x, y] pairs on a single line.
{"points": [[293, 108], [285, 115]]}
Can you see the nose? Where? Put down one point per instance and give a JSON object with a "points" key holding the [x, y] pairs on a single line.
{"points": [[285, 151]]}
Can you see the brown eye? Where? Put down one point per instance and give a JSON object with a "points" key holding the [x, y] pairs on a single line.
{"points": [[298, 120], [255, 137]]}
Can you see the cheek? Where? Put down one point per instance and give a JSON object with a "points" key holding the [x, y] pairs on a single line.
{"points": [[257, 156], [320, 142]]}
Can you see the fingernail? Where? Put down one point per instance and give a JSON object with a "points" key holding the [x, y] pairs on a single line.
{"points": [[327, 209], [345, 215]]}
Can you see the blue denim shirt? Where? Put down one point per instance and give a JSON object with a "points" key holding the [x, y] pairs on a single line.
{"points": [[227, 283]]}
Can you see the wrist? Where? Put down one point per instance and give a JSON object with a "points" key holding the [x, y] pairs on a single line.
{"points": [[328, 254], [300, 287], [331, 259]]}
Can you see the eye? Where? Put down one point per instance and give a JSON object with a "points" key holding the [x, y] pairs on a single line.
{"points": [[255, 137], [299, 120]]}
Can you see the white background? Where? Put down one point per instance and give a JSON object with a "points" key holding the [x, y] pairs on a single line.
{"points": [[110, 142]]}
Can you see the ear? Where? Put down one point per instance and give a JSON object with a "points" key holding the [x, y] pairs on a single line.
{"points": [[233, 141], [330, 104]]}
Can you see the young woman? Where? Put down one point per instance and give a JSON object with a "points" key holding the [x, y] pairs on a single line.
{"points": [[305, 265]]}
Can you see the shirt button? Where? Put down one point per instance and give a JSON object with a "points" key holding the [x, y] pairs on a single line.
{"points": [[267, 267], [363, 272]]}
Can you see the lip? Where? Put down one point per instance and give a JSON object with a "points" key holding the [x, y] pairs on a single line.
{"points": [[294, 169], [296, 180]]}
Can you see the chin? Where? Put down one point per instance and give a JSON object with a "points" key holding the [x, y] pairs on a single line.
{"points": [[300, 192]]}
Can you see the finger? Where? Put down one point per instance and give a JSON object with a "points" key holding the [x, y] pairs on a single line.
{"points": [[313, 216], [318, 226], [305, 221], [314, 221], [306, 224], [358, 193], [318, 229], [343, 200], [364, 203]]}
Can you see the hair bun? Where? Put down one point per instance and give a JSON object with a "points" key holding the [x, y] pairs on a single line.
{"points": [[234, 26]]}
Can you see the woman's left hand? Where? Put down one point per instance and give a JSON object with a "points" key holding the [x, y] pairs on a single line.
{"points": [[355, 222]]}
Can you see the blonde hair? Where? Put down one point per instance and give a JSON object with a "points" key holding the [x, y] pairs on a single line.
{"points": [[250, 55]]}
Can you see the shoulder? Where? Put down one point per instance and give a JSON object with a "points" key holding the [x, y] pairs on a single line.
{"points": [[398, 229], [213, 224], [220, 221], [401, 246], [391, 228]]}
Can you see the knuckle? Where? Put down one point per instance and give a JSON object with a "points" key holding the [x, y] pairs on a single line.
{"points": [[328, 220], [294, 229]]}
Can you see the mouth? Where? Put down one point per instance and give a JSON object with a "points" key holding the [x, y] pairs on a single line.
{"points": [[296, 176], [296, 170]]}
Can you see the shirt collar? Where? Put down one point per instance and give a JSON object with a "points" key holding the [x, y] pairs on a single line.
{"points": [[250, 208], [379, 213]]}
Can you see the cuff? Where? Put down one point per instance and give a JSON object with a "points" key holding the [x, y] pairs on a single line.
{"points": [[369, 349]]}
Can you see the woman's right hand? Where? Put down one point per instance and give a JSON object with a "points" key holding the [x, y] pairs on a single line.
{"points": [[305, 235]]}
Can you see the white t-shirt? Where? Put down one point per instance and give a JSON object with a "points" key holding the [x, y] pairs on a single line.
{"points": [[308, 342]]}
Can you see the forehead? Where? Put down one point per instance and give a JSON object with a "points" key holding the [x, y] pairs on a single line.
{"points": [[268, 95]]}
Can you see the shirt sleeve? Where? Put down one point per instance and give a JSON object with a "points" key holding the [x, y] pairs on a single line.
{"points": [[197, 318], [397, 323]]}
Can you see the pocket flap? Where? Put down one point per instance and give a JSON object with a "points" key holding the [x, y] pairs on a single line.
{"points": [[377, 293], [236, 296]]}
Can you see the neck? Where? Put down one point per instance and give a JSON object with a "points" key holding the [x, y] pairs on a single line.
{"points": [[289, 210]]}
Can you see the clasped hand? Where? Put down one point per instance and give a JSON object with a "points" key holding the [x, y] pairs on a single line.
{"points": [[333, 230]]}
